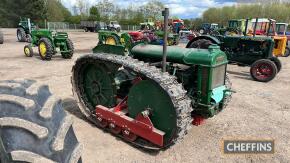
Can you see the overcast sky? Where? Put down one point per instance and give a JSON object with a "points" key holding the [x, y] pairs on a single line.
{"points": [[181, 8]]}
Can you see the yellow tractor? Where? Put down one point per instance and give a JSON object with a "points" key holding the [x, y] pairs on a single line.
{"points": [[267, 27]]}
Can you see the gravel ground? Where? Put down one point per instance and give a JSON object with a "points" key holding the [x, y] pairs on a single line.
{"points": [[257, 110]]}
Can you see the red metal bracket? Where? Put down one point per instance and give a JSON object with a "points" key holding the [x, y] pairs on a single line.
{"points": [[122, 105], [140, 126], [198, 120]]}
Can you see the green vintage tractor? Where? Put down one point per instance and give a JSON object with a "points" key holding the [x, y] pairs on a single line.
{"points": [[208, 28], [24, 28], [129, 39], [235, 27], [172, 39], [254, 51], [48, 42], [129, 95], [147, 25]]}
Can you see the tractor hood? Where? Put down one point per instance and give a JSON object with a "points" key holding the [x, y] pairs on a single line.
{"points": [[210, 58]]}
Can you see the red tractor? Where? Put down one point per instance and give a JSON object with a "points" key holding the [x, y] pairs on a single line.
{"points": [[147, 36]]}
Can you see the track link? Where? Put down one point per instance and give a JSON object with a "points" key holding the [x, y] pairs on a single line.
{"points": [[175, 90]]}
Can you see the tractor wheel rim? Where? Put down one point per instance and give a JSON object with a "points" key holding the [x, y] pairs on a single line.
{"points": [[162, 119], [27, 51], [98, 86], [42, 48], [263, 71], [110, 41]]}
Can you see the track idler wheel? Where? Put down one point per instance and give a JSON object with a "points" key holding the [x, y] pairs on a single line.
{"points": [[114, 128], [102, 122], [129, 136]]}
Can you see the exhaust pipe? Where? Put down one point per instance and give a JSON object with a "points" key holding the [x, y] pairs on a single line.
{"points": [[165, 14], [29, 25]]}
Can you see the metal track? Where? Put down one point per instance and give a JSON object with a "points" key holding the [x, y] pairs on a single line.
{"points": [[227, 99], [175, 90]]}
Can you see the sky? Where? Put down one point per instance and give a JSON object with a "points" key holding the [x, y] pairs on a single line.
{"points": [[184, 9]]}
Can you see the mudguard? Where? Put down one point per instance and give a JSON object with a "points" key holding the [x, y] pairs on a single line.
{"points": [[206, 37]]}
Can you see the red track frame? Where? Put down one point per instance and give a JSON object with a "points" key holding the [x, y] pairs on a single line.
{"points": [[140, 126]]}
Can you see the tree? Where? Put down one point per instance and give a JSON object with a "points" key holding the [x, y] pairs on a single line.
{"points": [[94, 14], [12, 10], [56, 11], [106, 9], [278, 11], [153, 9]]}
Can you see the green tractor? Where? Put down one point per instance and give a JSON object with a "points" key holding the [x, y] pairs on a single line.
{"points": [[208, 28], [147, 25], [172, 39], [24, 30], [235, 27], [128, 94], [47, 42], [256, 52]]}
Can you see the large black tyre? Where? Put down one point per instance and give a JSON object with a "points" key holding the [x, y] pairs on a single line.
{"points": [[1, 37], [277, 63], [49, 49], [201, 44], [287, 52], [118, 30], [21, 35], [263, 70], [34, 127], [70, 46]]}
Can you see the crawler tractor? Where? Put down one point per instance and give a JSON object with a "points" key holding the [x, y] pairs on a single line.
{"points": [[129, 96], [258, 52], [47, 42]]}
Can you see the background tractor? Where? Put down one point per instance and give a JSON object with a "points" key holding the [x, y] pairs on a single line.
{"points": [[129, 39], [24, 28], [172, 39], [149, 24], [256, 52], [131, 97], [235, 27], [207, 28], [267, 27], [47, 42], [282, 30]]}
